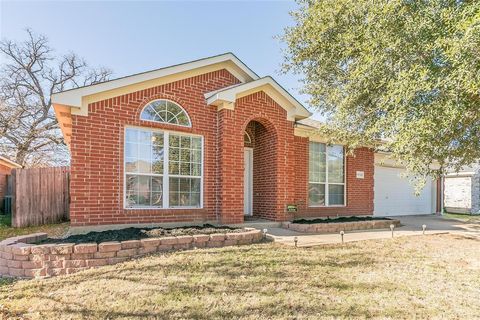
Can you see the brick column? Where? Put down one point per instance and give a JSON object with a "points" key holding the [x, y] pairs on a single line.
{"points": [[285, 170], [230, 168]]}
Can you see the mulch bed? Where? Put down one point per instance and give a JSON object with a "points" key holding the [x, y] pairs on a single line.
{"points": [[339, 219], [140, 233]]}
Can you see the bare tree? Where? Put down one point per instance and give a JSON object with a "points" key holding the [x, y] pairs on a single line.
{"points": [[29, 74]]}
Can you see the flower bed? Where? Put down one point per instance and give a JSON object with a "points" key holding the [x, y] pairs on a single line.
{"points": [[333, 226], [21, 257], [339, 219], [141, 233]]}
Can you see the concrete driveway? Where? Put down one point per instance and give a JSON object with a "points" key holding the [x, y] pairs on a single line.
{"points": [[411, 226]]}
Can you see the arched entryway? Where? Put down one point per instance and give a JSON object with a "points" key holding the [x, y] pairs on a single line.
{"points": [[260, 170]]}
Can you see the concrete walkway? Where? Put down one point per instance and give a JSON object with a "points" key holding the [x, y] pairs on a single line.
{"points": [[411, 226]]}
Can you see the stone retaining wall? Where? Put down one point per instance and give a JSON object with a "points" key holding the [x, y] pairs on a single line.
{"points": [[335, 227], [20, 258]]}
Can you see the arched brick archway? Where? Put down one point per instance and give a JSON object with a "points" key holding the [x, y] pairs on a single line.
{"points": [[263, 136], [274, 157]]}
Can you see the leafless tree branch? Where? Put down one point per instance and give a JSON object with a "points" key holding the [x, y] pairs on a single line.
{"points": [[29, 133]]}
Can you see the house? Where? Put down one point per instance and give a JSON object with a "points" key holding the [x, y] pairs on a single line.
{"points": [[462, 190], [6, 167], [205, 141], [393, 193]]}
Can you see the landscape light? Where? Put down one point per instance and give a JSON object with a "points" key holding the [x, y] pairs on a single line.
{"points": [[295, 239], [265, 233], [341, 234], [424, 227], [392, 226]]}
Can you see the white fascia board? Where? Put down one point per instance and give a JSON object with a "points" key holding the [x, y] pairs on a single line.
{"points": [[230, 95], [73, 97], [219, 98], [385, 159], [305, 127]]}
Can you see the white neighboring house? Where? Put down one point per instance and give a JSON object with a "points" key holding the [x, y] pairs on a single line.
{"points": [[462, 190]]}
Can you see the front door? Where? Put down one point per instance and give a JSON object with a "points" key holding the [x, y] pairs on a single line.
{"points": [[248, 182]]}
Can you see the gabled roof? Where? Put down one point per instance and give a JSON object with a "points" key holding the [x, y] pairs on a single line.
{"points": [[9, 163], [76, 101], [76, 98], [228, 95]]}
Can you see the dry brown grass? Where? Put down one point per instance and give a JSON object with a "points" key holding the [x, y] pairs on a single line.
{"points": [[411, 277], [53, 230]]}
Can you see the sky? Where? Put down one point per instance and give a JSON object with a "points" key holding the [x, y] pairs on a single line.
{"points": [[135, 36]]}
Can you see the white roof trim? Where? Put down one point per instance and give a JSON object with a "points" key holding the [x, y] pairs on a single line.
{"points": [[228, 95], [73, 97], [460, 174], [10, 162]]}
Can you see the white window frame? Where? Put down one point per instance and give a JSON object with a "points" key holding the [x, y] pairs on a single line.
{"points": [[249, 140], [165, 175], [326, 183], [164, 122]]}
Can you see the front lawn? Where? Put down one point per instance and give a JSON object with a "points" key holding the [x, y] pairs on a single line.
{"points": [[464, 217], [408, 277], [6, 230]]}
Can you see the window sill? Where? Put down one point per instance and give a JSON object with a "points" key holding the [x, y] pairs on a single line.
{"points": [[161, 208], [332, 206]]}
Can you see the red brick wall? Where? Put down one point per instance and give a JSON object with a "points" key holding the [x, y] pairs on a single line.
{"points": [[274, 190], [280, 158], [97, 152], [4, 171], [359, 192], [264, 174]]}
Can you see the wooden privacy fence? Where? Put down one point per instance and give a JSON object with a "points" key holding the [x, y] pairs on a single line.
{"points": [[40, 196]]}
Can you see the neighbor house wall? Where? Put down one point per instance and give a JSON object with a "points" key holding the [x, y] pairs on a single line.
{"points": [[462, 192], [458, 194], [476, 193], [359, 192], [4, 172]]}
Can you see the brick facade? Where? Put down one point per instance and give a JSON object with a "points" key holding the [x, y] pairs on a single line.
{"points": [[359, 192], [280, 158], [97, 152]]}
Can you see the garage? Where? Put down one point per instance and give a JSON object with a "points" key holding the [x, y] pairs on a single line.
{"points": [[394, 195]]}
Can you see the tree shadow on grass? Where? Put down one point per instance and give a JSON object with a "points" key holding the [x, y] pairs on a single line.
{"points": [[181, 279], [73, 309], [466, 237], [269, 307]]}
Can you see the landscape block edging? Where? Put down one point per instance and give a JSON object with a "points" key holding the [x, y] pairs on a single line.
{"points": [[334, 227], [20, 257]]}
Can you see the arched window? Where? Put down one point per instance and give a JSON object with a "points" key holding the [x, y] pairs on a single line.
{"points": [[246, 138], [165, 111]]}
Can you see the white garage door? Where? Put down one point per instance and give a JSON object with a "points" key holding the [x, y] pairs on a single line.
{"points": [[395, 196]]}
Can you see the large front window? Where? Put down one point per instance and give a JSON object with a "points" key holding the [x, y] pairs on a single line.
{"points": [[326, 185], [162, 169]]}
